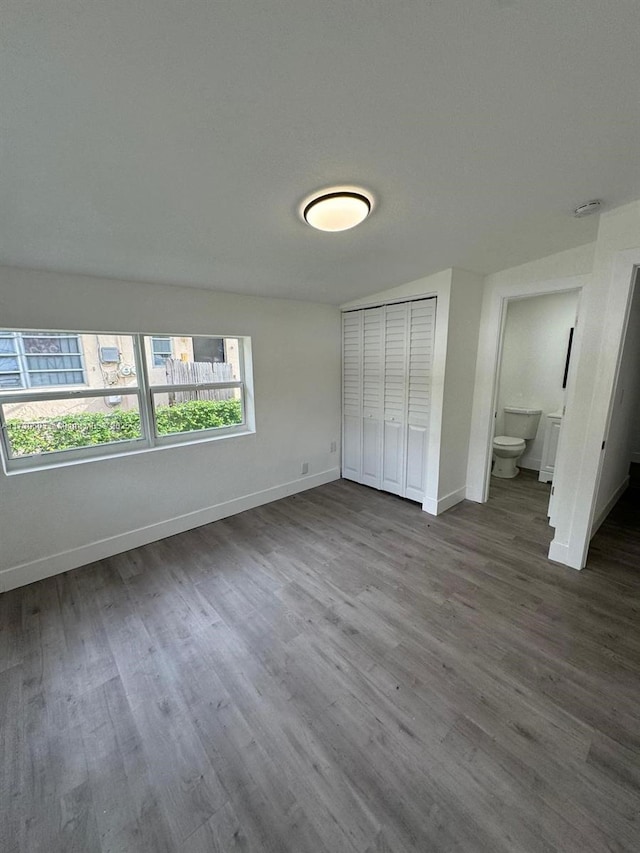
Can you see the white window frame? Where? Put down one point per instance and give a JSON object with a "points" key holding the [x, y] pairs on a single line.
{"points": [[145, 392]]}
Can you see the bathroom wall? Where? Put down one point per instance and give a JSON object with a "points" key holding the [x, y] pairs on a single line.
{"points": [[533, 360]]}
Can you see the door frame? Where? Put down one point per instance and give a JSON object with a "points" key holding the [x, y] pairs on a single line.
{"points": [[505, 301], [622, 313], [582, 463], [490, 347]]}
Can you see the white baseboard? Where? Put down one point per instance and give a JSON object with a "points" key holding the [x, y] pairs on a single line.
{"points": [[45, 567], [475, 493], [561, 552], [606, 509], [436, 507]]}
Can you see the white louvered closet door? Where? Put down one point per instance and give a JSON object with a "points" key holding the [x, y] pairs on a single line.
{"points": [[395, 398], [352, 395], [372, 395], [386, 396], [420, 365]]}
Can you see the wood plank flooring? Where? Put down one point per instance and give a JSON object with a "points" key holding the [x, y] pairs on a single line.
{"points": [[336, 671]]}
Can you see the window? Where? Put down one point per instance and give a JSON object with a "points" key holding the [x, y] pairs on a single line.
{"points": [[208, 349], [161, 350], [136, 400], [33, 359], [190, 395], [10, 369]]}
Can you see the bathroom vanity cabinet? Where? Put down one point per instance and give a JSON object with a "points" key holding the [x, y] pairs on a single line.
{"points": [[550, 447]]}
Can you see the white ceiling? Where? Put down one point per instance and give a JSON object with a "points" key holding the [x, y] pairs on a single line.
{"points": [[172, 140]]}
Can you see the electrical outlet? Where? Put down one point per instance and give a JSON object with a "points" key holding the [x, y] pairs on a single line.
{"points": [[305, 468], [334, 446]]}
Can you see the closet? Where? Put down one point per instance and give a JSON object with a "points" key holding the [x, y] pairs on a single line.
{"points": [[386, 395]]}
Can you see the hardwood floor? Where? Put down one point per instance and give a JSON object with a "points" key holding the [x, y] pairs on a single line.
{"points": [[336, 671]]}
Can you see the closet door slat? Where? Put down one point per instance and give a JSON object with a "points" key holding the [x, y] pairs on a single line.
{"points": [[372, 395], [352, 395], [421, 334]]}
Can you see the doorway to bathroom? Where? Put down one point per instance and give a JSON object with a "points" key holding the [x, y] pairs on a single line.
{"points": [[532, 381]]}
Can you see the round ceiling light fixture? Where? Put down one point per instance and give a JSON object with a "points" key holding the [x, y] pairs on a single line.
{"points": [[587, 209], [337, 209]]}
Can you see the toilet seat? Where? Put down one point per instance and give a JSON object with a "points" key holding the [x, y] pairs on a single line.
{"points": [[508, 441], [506, 451]]}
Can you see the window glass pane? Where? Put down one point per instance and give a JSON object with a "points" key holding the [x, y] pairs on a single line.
{"points": [[54, 362], [44, 426], [196, 359], [10, 376], [62, 359], [197, 410], [9, 363], [52, 358], [7, 345], [56, 377], [109, 361], [9, 380], [162, 350], [50, 342]]}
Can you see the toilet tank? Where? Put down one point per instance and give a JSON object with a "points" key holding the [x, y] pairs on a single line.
{"points": [[521, 423]]}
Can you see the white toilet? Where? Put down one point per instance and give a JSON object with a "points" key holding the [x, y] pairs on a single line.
{"points": [[520, 426]]}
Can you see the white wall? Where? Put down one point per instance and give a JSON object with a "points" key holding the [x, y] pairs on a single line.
{"points": [[431, 285], [600, 327], [459, 297], [463, 326], [621, 438], [534, 353], [59, 518]]}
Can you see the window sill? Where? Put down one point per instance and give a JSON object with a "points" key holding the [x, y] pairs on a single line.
{"points": [[123, 454]]}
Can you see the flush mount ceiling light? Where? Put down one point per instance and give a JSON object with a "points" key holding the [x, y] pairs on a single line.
{"points": [[337, 209], [587, 209]]}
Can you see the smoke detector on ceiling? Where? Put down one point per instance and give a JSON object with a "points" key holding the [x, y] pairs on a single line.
{"points": [[587, 209]]}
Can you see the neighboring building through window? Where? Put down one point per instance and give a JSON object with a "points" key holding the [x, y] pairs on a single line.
{"points": [[161, 350], [36, 359], [190, 387], [196, 392]]}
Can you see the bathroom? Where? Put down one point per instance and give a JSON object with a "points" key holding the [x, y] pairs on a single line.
{"points": [[532, 381]]}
